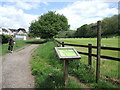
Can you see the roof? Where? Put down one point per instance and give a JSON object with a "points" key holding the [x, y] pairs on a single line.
{"points": [[4, 29], [22, 29], [13, 30]]}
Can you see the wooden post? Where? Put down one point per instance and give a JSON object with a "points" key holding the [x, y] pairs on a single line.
{"points": [[90, 55], [65, 71], [98, 50], [62, 44]]}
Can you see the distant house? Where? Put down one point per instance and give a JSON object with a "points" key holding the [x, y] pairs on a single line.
{"points": [[14, 31], [21, 34], [22, 31], [10, 32], [0, 30], [18, 33], [6, 31]]}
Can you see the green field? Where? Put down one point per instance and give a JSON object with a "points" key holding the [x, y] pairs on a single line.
{"points": [[107, 42], [109, 68]]}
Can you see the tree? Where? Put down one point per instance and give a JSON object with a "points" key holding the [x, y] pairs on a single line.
{"points": [[48, 25], [70, 33], [91, 30], [61, 34], [81, 31], [110, 25], [66, 34]]}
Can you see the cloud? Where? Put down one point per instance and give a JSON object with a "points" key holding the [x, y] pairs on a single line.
{"points": [[40, 0], [107, 0], [26, 5], [58, 0], [20, 0], [13, 16], [86, 12], [46, 3]]}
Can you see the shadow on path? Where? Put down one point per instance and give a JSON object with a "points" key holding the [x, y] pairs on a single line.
{"points": [[37, 42]]}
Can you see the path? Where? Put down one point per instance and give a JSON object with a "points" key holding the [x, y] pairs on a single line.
{"points": [[16, 71]]}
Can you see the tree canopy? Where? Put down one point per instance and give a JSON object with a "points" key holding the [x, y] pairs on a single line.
{"points": [[48, 25], [66, 34], [109, 28]]}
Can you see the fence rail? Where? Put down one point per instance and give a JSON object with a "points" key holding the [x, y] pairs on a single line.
{"points": [[95, 55], [108, 48]]}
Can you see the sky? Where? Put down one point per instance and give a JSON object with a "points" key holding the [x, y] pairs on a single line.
{"points": [[20, 13]]}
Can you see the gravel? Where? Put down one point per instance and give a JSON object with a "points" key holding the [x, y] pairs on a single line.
{"points": [[16, 70]]}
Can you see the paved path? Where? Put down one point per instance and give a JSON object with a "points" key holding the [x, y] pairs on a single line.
{"points": [[16, 71]]}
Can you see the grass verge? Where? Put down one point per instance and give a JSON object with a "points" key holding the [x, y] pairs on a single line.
{"points": [[19, 44], [47, 69]]}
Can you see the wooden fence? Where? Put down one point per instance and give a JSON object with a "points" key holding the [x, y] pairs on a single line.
{"points": [[90, 47], [89, 54], [98, 47]]}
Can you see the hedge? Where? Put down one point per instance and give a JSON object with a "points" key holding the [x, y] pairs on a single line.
{"points": [[5, 38]]}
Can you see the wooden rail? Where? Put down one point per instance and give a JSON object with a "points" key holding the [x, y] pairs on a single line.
{"points": [[90, 54], [77, 45]]}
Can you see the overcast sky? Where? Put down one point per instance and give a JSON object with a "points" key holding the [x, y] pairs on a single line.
{"points": [[19, 13]]}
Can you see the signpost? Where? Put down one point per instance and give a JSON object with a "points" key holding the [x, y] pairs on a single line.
{"points": [[66, 54], [98, 50]]}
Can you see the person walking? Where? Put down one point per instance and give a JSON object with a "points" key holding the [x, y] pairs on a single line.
{"points": [[11, 44]]}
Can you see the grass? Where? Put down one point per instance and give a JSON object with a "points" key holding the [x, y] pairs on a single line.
{"points": [[48, 70], [19, 44], [81, 71], [108, 42], [108, 68]]}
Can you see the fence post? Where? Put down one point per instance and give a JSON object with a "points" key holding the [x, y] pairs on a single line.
{"points": [[98, 50], [65, 69], [62, 44], [90, 55]]}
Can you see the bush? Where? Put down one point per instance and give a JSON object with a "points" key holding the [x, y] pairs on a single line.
{"points": [[5, 38]]}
